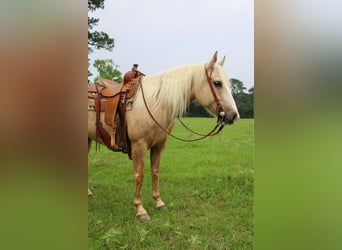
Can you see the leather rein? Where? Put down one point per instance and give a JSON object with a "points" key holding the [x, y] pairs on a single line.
{"points": [[219, 109]]}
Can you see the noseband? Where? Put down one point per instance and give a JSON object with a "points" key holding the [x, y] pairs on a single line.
{"points": [[219, 109]]}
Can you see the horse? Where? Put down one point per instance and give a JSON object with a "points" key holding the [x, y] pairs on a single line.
{"points": [[159, 100]]}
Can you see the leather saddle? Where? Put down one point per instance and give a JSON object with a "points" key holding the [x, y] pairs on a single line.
{"points": [[111, 98]]}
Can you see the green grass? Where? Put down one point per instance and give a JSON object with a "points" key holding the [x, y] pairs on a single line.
{"points": [[206, 185]]}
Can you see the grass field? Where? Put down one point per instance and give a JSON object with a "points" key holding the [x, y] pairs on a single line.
{"points": [[206, 185]]}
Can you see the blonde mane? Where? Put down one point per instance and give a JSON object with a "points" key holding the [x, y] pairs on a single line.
{"points": [[171, 90]]}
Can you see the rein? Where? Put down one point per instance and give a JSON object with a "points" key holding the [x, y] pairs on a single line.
{"points": [[217, 128], [194, 132]]}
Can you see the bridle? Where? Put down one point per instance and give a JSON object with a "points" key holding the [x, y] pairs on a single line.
{"points": [[219, 109]]}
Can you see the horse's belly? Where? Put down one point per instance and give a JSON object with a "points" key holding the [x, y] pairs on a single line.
{"points": [[142, 127]]}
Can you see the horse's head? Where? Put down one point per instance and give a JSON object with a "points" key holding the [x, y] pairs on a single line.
{"points": [[215, 94]]}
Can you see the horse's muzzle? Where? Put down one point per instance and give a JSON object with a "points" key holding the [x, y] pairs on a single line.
{"points": [[230, 118]]}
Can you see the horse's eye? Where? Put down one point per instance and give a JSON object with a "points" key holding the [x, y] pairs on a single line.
{"points": [[218, 84]]}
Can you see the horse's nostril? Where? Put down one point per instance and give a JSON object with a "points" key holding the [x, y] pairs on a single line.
{"points": [[235, 116]]}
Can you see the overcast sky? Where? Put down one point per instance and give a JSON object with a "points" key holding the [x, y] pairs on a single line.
{"points": [[159, 35]]}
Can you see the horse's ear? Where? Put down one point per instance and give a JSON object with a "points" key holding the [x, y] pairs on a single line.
{"points": [[222, 61], [213, 61]]}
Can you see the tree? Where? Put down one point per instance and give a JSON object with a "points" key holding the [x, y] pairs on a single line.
{"points": [[107, 69], [196, 110], [89, 73], [251, 90], [237, 86], [244, 101], [97, 39]]}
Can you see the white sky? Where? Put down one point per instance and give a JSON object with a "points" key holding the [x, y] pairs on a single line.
{"points": [[162, 34]]}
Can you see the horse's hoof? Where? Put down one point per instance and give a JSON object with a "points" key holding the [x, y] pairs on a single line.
{"points": [[144, 217], [89, 193], [162, 208]]}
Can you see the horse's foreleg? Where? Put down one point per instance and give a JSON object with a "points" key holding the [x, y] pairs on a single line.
{"points": [[138, 158], [155, 170], [89, 146]]}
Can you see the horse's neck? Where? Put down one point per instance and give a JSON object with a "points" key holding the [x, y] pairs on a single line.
{"points": [[172, 91]]}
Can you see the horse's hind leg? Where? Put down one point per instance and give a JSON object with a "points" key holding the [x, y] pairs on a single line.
{"points": [[89, 146], [155, 169]]}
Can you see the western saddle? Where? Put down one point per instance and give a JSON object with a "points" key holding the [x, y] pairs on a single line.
{"points": [[114, 99]]}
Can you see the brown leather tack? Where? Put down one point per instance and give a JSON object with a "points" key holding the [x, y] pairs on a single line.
{"points": [[111, 98]]}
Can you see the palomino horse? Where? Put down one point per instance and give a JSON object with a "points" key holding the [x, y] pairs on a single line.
{"points": [[164, 97]]}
